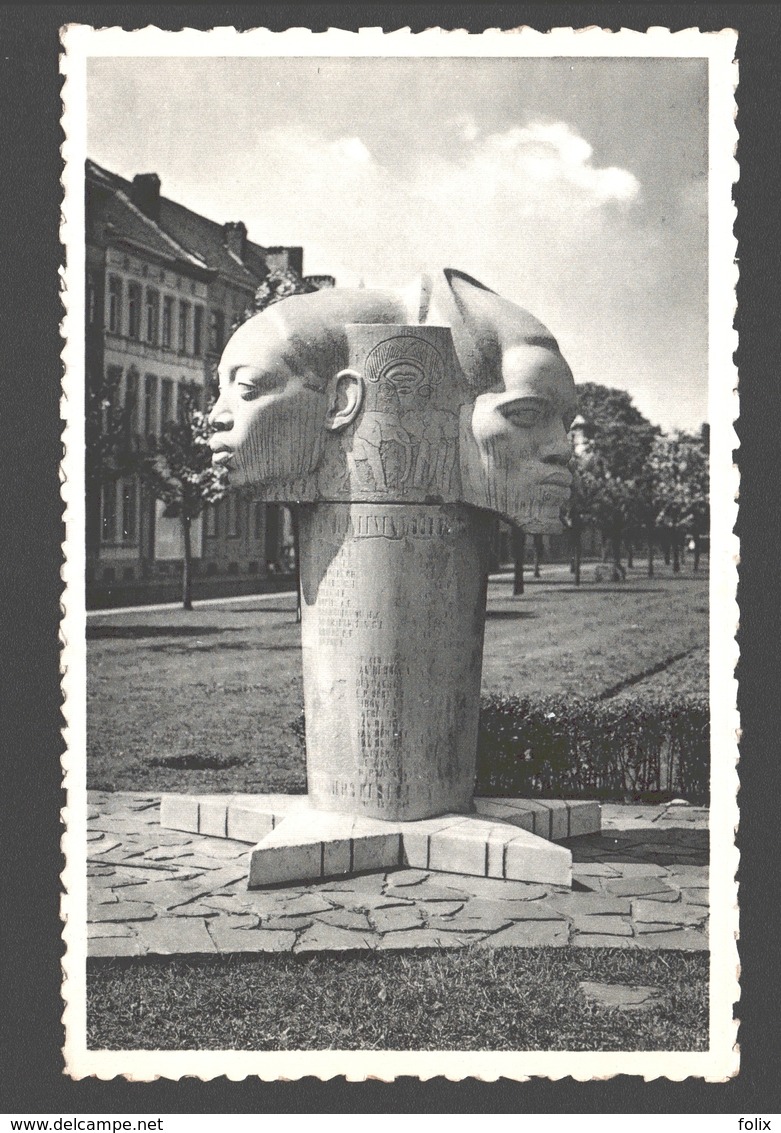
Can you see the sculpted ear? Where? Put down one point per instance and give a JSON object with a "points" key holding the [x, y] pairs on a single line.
{"points": [[345, 398]]}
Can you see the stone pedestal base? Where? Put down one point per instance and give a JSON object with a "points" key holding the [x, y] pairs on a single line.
{"points": [[512, 839]]}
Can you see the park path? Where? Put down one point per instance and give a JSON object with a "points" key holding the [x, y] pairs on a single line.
{"points": [[641, 883]]}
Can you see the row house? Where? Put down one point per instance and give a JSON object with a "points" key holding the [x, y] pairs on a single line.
{"points": [[164, 286]]}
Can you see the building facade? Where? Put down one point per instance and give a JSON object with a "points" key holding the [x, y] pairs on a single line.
{"points": [[164, 286]]}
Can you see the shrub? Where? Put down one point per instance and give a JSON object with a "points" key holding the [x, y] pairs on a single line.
{"points": [[629, 748], [643, 747]]}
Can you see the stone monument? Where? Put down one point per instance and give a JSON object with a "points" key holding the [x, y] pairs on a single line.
{"points": [[399, 423]]}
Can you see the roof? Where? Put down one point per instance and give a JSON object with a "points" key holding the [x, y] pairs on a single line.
{"points": [[191, 240]]}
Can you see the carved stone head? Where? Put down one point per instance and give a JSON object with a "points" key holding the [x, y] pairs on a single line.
{"points": [[463, 397], [518, 454]]}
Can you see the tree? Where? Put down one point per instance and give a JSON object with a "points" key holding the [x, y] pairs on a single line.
{"points": [[178, 470], [279, 284], [678, 463], [699, 481], [539, 551], [518, 544], [580, 507], [644, 509], [613, 443]]}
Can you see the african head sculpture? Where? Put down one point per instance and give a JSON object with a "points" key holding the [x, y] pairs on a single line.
{"points": [[282, 391], [443, 392]]}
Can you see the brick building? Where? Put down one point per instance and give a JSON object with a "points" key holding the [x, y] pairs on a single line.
{"points": [[163, 287]]}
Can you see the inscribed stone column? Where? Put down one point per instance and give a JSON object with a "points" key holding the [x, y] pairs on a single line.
{"points": [[393, 613], [393, 593]]}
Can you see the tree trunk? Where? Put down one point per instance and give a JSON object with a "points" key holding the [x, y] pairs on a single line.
{"points": [[615, 548], [676, 554], [630, 553], [649, 534], [696, 566], [297, 555], [494, 555], [518, 547], [577, 555], [538, 553], [665, 543], [187, 596]]}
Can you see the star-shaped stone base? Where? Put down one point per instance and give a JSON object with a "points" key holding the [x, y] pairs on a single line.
{"points": [[512, 839]]}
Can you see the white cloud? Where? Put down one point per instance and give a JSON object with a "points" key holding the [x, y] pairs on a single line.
{"points": [[519, 208], [535, 161], [352, 149]]}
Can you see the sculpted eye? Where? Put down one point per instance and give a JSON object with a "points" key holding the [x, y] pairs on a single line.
{"points": [[253, 383], [523, 413]]}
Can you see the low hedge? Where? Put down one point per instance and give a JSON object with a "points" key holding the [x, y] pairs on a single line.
{"points": [[631, 748], [639, 748]]}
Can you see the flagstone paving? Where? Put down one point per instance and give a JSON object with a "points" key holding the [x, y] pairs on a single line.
{"points": [[641, 883]]}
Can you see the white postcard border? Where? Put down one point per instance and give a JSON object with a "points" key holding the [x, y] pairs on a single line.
{"points": [[721, 1061]]}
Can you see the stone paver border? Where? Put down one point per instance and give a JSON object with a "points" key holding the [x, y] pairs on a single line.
{"points": [[641, 883]]}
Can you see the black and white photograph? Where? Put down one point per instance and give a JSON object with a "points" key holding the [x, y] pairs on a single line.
{"points": [[400, 574]]}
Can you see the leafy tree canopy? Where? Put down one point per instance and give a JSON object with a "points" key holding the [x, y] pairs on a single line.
{"points": [[279, 284], [615, 434], [679, 468], [179, 469], [110, 447]]}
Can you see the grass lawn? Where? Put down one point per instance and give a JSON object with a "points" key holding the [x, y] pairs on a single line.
{"points": [[215, 690], [476, 999]]}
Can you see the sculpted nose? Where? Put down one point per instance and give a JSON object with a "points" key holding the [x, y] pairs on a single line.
{"points": [[556, 447], [220, 417]]}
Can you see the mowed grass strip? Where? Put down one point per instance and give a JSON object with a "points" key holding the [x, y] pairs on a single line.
{"points": [[476, 999], [212, 692]]}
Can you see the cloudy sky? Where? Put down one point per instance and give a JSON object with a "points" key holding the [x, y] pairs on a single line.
{"points": [[576, 187]]}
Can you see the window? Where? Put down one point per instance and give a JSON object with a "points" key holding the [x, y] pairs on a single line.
{"points": [[198, 331], [115, 305], [259, 524], [232, 514], [166, 402], [216, 329], [108, 513], [129, 511], [111, 400], [189, 397], [211, 520], [90, 300], [134, 310], [131, 399], [150, 403], [152, 315], [168, 320], [184, 326]]}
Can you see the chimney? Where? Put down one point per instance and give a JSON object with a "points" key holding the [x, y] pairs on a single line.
{"points": [[145, 194], [234, 237]]}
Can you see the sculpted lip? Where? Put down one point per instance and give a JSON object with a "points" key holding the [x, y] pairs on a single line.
{"points": [[563, 479], [221, 455]]}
